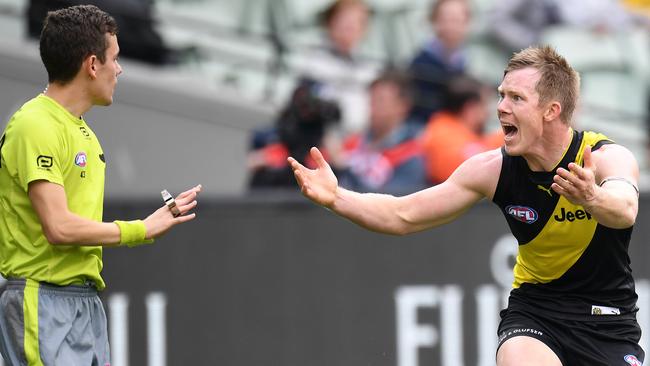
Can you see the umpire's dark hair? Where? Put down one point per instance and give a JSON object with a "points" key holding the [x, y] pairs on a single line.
{"points": [[462, 89], [401, 79], [70, 35]]}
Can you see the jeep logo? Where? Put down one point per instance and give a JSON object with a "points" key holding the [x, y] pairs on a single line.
{"points": [[570, 216]]}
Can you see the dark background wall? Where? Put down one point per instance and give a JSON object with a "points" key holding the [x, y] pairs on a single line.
{"points": [[283, 282]]}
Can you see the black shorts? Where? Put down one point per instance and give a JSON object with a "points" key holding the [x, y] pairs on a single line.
{"points": [[607, 340]]}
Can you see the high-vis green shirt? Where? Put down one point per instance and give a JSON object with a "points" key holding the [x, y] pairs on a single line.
{"points": [[43, 141]]}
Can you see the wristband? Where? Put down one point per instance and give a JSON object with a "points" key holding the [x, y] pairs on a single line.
{"points": [[622, 180], [132, 233]]}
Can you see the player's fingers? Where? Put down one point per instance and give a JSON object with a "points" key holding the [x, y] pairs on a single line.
{"points": [[557, 188], [295, 165], [566, 175], [563, 191], [299, 177], [563, 183], [291, 161], [586, 174], [318, 157], [588, 162], [578, 176]]}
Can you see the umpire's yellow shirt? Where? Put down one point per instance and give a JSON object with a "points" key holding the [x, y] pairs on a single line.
{"points": [[43, 141]]}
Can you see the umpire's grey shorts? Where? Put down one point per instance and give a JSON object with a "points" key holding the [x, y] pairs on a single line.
{"points": [[47, 325]]}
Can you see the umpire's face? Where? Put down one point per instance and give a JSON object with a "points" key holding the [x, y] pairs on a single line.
{"points": [[105, 74]]}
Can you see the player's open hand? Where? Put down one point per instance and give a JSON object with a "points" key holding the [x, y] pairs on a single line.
{"points": [[163, 218], [578, 184], [320, 184]]}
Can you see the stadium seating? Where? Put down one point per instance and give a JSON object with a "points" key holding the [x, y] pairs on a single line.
{"points": [[252, 48]]}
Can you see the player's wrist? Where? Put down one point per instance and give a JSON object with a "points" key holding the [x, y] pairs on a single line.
{"points": [[132, 233], [338, 194]]}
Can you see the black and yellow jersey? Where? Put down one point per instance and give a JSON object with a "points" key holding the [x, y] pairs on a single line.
{"points": [[567, 262]]}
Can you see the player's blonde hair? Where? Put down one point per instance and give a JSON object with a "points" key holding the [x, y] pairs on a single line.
{"points": [[558, 80]]}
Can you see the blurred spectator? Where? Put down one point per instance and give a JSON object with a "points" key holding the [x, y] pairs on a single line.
{"points": [[138, 37], [647, 125], [457, 132], [342, 73], [597, 15], [517, 24], [440, 58], [303, 123], [386, 157]]}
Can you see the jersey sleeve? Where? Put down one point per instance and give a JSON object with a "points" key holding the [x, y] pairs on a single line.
{"points": [[36, 149]]}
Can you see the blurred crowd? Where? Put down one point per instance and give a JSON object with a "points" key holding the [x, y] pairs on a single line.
{"points": [[399, 128], [386, 127]]}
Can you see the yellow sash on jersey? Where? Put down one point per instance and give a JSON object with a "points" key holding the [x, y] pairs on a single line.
{"points": [[561, 242]]}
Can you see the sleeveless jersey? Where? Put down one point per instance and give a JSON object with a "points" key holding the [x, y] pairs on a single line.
{"points": [[567, 262]]}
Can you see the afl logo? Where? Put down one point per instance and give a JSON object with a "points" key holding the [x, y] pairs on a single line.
{"points": [[632, 360], [522, 213], [80, 159]]}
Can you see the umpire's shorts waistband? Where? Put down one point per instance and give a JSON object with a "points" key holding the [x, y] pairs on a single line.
{"points": [[86, 289]]}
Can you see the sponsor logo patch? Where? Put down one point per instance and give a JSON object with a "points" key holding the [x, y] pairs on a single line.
{"points": [[604, 310], [84, 131], [632, 360], [81, 159], [44, 161], [522, 213]]}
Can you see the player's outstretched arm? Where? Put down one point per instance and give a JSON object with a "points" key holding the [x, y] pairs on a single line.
{"points": [[384, 213], [61, 226], [606, 185]]}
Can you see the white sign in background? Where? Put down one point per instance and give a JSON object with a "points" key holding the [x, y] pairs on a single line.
{"points": [[412, 336]]}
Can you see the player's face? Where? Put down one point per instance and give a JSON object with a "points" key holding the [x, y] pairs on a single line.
{"points": [[107, 73], [519, 112]]}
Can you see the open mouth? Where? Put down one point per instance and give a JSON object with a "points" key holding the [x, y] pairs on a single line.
{"points": [[508, 129]]}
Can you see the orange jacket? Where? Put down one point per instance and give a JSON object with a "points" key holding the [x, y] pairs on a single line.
{"points": [[447, 142]]}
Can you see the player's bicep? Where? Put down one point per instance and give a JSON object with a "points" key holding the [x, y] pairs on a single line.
{"points": [[616, 168], [445, 202], [474, 180]]}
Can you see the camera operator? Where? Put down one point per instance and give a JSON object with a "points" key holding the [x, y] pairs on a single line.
{"points": [[307, 120]]}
